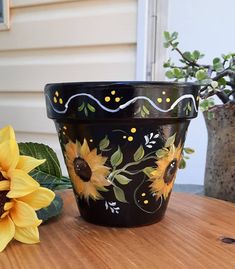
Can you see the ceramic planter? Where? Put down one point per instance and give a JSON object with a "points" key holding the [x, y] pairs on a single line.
{"points": [[219, 179], [122, 144]]}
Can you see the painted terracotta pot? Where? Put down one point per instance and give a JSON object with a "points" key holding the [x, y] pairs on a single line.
{"points": [[122, 144]]}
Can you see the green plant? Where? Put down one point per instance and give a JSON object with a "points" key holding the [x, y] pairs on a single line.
{"points": [[216, 78]]}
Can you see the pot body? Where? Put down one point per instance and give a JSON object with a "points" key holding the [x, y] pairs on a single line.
{"points": [[122, 144], [219, 179]]}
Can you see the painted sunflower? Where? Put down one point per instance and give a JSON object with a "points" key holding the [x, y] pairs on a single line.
{"points": [[20, 194], [86, 169], [164, 175]]}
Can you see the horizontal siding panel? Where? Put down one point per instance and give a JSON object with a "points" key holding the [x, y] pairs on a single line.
{"points": [[23, 3], [33, 78], [73, 27]]}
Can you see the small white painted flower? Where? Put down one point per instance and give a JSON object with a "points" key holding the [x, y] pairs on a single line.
{"points": [[150, 139], [112, 206]]}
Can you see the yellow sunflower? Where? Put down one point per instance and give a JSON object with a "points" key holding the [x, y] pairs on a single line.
{"points": [[164, 175], [20, 195], [86, 169]]}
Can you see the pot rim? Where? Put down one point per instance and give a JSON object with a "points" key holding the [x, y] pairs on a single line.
{"points": [[130, 82]]}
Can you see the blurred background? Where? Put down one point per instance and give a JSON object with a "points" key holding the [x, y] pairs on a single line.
{"points": [[44, 41]]}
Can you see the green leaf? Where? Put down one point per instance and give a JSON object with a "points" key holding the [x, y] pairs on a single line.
{"points": [[119, 194], [169, 74], [117, 158], [53, 210], [122, 179], [148, 170], [182, 164], [189, 150], [146, 110], [188, 55], [41, 151], [196, 54], [104, 143], [174, 35], [81, 107], [170, 141], [91, 108], [142, 114], [167, 36], [161, 153], [49, 181], [139, 154], [201, 75], [222, 82], [86, 111]]}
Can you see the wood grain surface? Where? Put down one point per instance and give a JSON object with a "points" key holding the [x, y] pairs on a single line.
{"points": [[188, 237]]}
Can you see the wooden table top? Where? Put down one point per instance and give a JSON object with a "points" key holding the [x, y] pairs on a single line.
{"points": [[188, 237]]}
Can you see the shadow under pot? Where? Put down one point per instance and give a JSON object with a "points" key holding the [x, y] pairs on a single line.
{"points": [[122, 144]]}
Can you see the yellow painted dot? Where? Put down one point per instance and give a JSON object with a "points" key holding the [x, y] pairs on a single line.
{"points": [[163, 92], [107, 99], [168, 100], [117, 99], [55, 99], [65, 127], [113, 92], [146, 202], [159, 100], [91, 140], [61, 101], [143, 194], [133, 130], [56, 94], [63, 133], [124, 137], [130, 138]]}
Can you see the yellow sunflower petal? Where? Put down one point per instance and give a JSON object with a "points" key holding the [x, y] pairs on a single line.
{"points": [[7, 231], [4, 185], [28, 235], [21, 184], [27, 163], [84, 149], [4, 214], [38, 199], [8, 205], [7, 133], [23, 215], [9, 154]]}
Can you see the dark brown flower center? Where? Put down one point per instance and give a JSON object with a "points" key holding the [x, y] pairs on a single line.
{"points": [[82, 169], [3, 197], [170, 172]]}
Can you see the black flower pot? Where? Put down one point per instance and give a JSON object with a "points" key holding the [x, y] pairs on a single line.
{"points": [[122, 144]]}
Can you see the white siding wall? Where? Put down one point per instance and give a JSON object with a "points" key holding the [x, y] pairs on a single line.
{"points": [[61, 40]]}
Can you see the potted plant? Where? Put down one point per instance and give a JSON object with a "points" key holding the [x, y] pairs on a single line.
{"points": [[217, 79], [122, 143]]}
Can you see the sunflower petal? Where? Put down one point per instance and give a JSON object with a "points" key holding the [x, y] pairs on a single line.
{"points": [[27, 163], [4, 185], [8, 205], [7, 231], [84, 149], [7, 133], [9, 154], [23, 215], [38, 199], [28, 235], [21, 184]]}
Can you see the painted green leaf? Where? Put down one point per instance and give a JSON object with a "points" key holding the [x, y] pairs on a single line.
{"points": [[122, 179], [91, 108], [139, 154], [142, 113], [53, 210], [86, 111], [189, 150], [104, 143], [170, 141], [41, 151], [117, 158], [81, 107], [161, 153], [148, 170], [119, 194], [146, 111]]}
